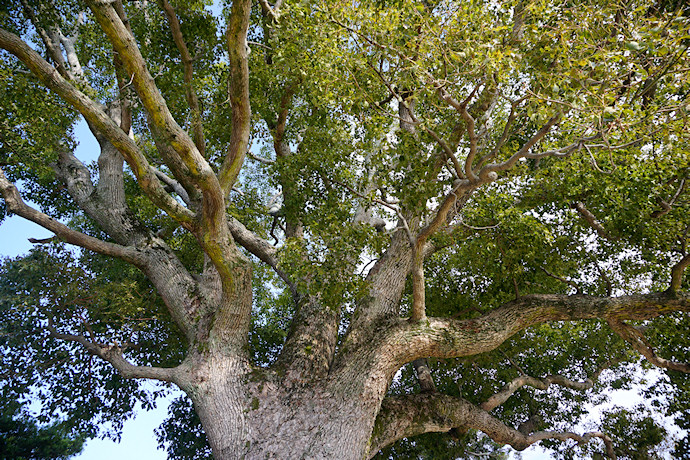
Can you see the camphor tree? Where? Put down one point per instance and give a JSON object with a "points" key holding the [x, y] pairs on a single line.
{"points": [[477, 209]]}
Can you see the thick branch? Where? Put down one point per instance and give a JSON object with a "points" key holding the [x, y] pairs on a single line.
{"points": [[411, 415], [162, 121], [16, 205], [639, 342], [424, 377], [236, 38], [447, 338], [100, 121]]}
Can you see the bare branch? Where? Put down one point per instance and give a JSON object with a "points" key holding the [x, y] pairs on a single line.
{"points": [[113, 355], [524, 150], [49, 41], [260, 248], [541, 384], [268, 9], [639, 342], [568, 282], [448, 338], [176, 186], [426, 381], [236, 38], [677, 273], [190, 93], [101, 121], [265, 161]]}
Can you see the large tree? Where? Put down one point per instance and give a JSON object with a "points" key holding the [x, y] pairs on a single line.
{"points": [[346, 227]]}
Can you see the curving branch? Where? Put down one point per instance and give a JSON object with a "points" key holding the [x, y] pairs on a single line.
{"points": [[524, 151], [113, 354], [449, 338], [541, 384], [639, 342], [411, 415], [93, 113], [16, 205]]}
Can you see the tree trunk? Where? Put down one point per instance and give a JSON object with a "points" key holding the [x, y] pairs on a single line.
{"points": [[253, 414]]}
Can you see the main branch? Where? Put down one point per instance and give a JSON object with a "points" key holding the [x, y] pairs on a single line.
{"points": [[448, 338], [411, 415]]}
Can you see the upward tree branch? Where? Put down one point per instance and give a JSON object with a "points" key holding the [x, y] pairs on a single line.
{"points": [[101, 121], [236, 37], [162, 121], [190, 93]]}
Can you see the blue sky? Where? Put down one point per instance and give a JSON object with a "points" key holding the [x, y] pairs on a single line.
{"points": [[138, 440]]}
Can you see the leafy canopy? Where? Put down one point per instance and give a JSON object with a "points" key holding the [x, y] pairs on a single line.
{"points": [[387, 106]]}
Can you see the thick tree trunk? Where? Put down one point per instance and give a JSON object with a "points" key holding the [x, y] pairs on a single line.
{"points": [[262, 420]]}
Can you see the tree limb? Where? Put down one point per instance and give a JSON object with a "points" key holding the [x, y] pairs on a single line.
{"points": [[101, 121], [424, 377], [261, 248], [677, 273], [541, 384], [52, 47], [591, 219], [411, 415], [190, 93], [113, 355], [16, 205], [639, 342], [161, 120], [448, 338], [236, 39]]}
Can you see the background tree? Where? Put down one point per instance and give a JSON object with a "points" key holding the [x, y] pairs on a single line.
{"points": [[21, 437], [391, 226]]}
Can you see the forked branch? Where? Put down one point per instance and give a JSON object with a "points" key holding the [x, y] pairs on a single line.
{"points": [[50, 77], [541, 384], [113, 354]]}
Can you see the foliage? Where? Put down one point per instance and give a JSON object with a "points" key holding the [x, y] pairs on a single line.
{"points": [[22, 437], [375, 110]]}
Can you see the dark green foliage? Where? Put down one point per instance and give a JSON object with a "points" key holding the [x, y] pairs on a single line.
{"points": [[181, 433], [22, 437]]}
